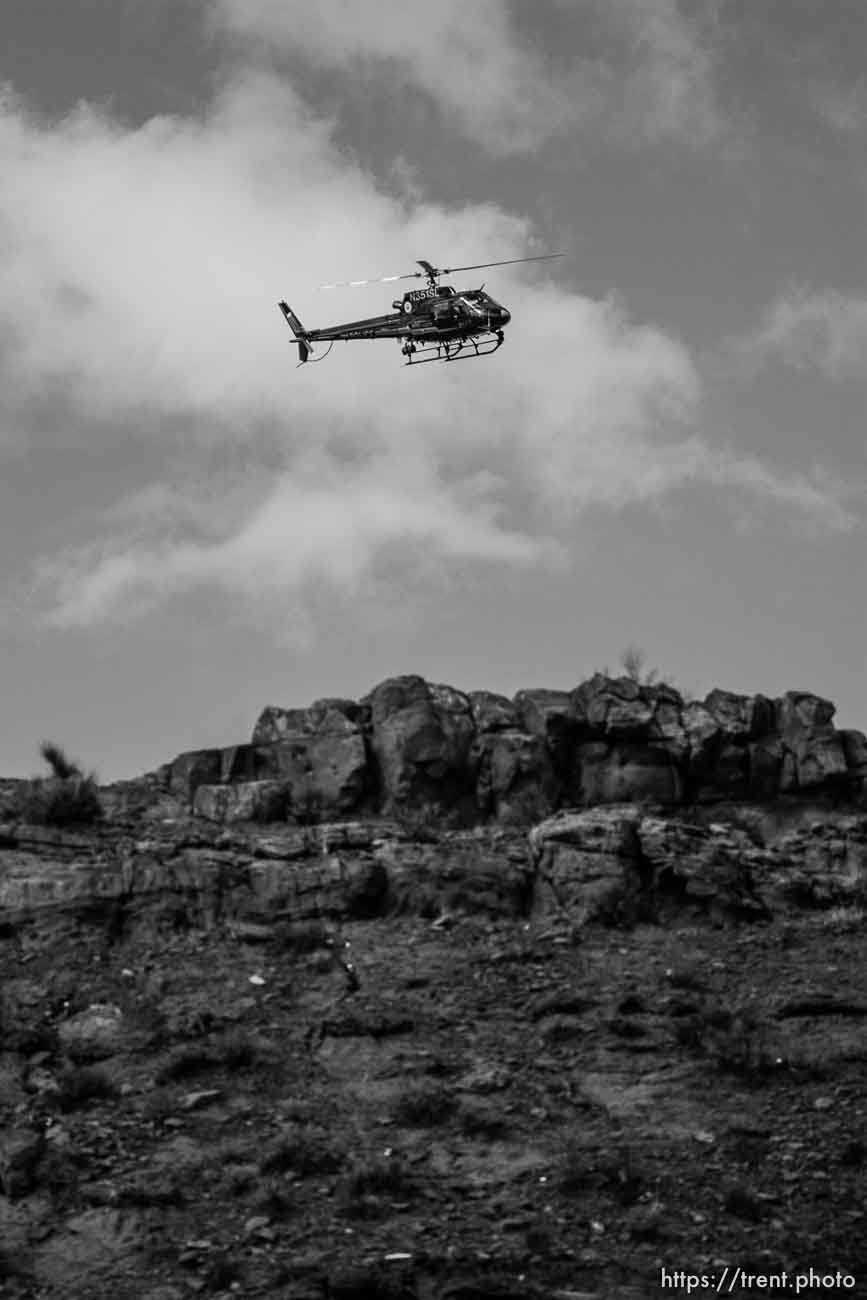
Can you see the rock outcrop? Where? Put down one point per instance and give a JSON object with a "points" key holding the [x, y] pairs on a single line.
{"points": [[416, 749], [614, 865]]}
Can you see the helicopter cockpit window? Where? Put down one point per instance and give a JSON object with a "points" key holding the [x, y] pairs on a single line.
{"points": [[445, 291]]}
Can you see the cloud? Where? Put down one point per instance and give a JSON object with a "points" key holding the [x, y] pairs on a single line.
{"points": [[641, 71], [825, 331], [139, 272], [314, 526], [668, 90]]}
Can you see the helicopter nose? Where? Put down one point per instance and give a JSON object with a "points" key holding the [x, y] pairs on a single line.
{"points": [[505, 316]]}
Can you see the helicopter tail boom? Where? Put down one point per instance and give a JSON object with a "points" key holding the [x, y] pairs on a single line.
{"points": [[298, 330]]}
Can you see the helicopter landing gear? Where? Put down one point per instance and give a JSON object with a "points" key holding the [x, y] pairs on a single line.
{"points": [[459, 349]]}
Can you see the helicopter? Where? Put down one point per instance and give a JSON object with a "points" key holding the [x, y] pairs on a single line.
{"points": [[434, 323]]}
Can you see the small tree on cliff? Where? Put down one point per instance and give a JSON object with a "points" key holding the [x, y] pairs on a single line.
{"points": [[68, 797], [633, 662]]}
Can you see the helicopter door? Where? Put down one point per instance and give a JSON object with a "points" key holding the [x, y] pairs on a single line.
{"points": [[443, 315]]}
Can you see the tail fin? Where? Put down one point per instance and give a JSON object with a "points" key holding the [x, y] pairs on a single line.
{"points": [[298, 330]]}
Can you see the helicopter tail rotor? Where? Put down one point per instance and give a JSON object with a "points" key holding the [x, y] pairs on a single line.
{"points": [[299, 331]]}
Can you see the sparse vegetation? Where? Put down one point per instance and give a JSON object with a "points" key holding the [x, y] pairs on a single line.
{"points": [[737, 1040], [364, 1191], [79, 1085], [617, 1174], [633, 661], [68, 797], [298, 1129], [304, 1149], [424, 1105]]}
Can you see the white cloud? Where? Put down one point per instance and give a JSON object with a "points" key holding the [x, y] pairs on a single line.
{"points": [[826, 330], [645, 75], [314, 526], [139, 272]]}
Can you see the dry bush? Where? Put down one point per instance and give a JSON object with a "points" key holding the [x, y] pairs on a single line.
{"points": [[737, 1040], [362, 1192], [304, 1149], [424, 1105], [68, 797]]}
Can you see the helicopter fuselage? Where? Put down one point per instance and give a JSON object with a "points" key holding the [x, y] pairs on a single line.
{"points": [[426, 316]]}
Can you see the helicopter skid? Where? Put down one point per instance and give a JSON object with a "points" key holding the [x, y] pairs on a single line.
{"points": [[452, 350]]}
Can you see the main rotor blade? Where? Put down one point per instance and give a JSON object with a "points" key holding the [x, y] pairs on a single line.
{"points": [[381, 279], [446, 270], [510, 261]]}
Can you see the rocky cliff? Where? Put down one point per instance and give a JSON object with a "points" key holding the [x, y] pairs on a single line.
{"points": [[529, 990], [412, 748]]}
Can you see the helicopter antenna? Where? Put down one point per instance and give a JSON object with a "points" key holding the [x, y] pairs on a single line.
{"points": [[432, 273]]}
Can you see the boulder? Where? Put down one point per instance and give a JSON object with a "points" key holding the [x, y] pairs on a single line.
{"points": [[327, 773], [813, 757], [239, 763], [493, 712], [422, 740], [706, 867], [92, 1034], [588, 864], [244, 801], [614, 707], [194, 768], [620, 772], [275, 724], [741, 717], [332, 716], [703, 735], [554, 717], [854, 747], [458, 872], [516, 777], [324, 885], [668, 727], [823, 865], [798, 711], [12, 791], [765, 767], [726, 778]]}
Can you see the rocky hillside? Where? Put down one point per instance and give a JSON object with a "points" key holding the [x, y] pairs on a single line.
{"points": [[435, 996]]}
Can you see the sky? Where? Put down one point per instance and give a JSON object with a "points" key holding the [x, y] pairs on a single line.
{"points": [[667, 453]]}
